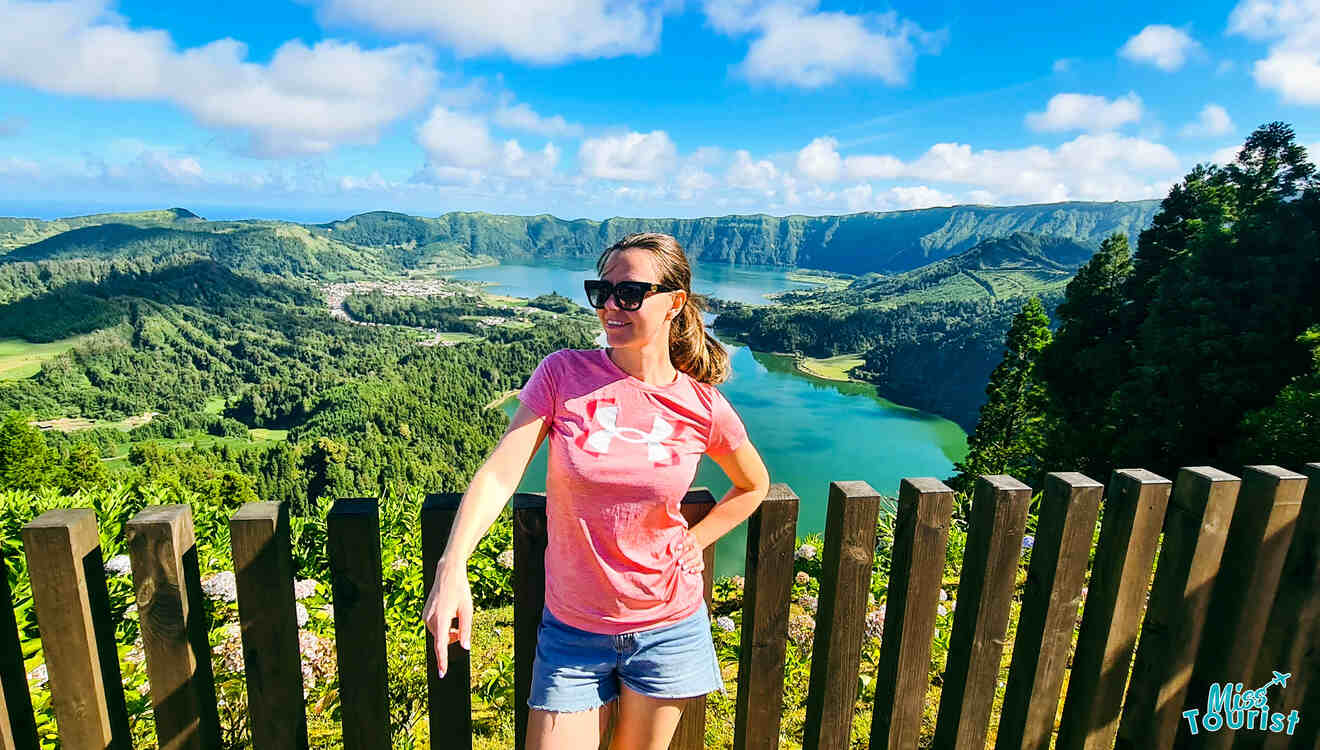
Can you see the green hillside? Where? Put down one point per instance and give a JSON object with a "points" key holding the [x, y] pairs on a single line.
{"points": [[856, 243], [384, 243], [1017, 265], [16, 232]]}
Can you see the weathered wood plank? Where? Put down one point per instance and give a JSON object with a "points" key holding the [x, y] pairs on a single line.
{"points": [[64, 561], [1292, 636], [172, 611], [1262, 530], [771, 535], [1069, 509], [1195, 529], [18, 726], [841, 615], [449, 700], [263, 568], [921, 534], [691, 731], [353, 544], [980, 622], [529, 542], [1129, 535]]}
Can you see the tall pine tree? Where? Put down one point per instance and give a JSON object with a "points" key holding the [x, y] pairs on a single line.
{"points": [[1010, 433]]}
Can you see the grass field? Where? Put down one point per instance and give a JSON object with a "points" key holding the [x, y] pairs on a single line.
{"points": [[832, 368], [261, 433], [214, 405], [22, 359]]}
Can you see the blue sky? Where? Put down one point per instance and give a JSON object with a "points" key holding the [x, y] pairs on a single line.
{"points": [[319, 109]]}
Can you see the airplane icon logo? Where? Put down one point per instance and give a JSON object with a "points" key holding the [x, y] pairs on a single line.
{"points": [[1281, 679]]}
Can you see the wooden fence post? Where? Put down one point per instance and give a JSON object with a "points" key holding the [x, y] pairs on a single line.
{"points": [[1129, 535], [63, 553], [357, 588], [1292, 638], [1195, 529], [529, 542], [771, 536], [980, 621], [1258, 540], [449, 700], [263, 569], [921, 534], [18, 726], [691, 731], [841, 614], [175, 637], [1068, 512]]}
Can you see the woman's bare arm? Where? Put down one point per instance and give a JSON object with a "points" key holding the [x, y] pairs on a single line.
{"points": [[491, 487]]}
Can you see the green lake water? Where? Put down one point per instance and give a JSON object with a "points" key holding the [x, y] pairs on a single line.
{"points": [[809, 431]]}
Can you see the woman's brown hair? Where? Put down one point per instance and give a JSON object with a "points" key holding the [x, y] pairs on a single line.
{"points": [[692, 348]]}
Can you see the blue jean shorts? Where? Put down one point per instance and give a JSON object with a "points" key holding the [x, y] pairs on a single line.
{"points": [[576, 670]]}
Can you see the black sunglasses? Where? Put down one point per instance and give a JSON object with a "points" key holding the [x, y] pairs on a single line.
{"points": [[629, 294]]}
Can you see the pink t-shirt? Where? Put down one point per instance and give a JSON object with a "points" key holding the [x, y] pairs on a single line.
{"points": [[623, 453]]}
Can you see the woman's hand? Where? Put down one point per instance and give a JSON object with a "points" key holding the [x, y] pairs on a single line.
{"points": [[690, 554], [449, 598]]}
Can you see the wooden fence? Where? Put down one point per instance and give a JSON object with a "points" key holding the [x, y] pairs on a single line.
{"points": [[1236, 595]]}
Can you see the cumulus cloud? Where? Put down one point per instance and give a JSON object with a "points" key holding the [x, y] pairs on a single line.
{"points": [[819, 161], [459, 149], [1292, 66], [305, 100], [1085, 112], [642, 157], [1165, 47], [748, 174], [1103, 166], [1213, 120], [535, 31], [797, 45], [520, 116]]}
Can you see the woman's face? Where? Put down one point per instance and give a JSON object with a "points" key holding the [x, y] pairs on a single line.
{"points": [[636, 328]]}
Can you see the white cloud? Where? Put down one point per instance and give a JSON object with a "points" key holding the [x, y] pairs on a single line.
{"points": [[1165, 47], [818, 161], [799, 46], [1213, 120], [692, 181], [305, 100], [459, 149], [751, 175], [522, 117], [871, 167], [1295, 75], [456, 139], [1104, 166], [635, 156], [535, 31], [1292, 66], [1085, 112], [919, 196], [1226, 155]]}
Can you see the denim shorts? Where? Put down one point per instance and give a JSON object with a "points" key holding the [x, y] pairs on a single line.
{"points": [[576, 670]]}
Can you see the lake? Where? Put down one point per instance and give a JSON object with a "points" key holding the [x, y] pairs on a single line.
{"points": [[809, 431]]}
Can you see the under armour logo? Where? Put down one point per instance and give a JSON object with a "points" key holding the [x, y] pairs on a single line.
{"points": [[606, 414]]}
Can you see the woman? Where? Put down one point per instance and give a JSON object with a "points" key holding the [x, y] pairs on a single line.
{"points": [[624, 611]]}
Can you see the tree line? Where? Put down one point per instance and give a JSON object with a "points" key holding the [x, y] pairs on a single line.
{"points": [[1201, 348]]}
